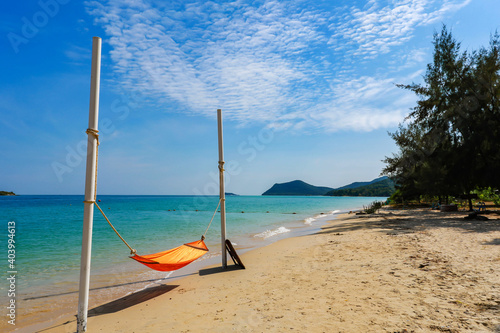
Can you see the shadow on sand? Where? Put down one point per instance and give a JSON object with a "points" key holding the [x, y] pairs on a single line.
{"points": [[409, 221], [107, 287], [121, 303], [131, 300], [218, 269]]}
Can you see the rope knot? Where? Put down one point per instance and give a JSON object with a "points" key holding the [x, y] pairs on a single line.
{"points": [[93, 132]]}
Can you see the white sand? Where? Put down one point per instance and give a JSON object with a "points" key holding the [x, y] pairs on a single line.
{"points": [[397, 271]]}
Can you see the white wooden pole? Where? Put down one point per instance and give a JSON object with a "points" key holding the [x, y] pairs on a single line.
{"points": [[88, 213], [222, 194]]}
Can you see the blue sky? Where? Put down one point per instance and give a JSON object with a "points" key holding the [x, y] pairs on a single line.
{"points": [[306, 88]]}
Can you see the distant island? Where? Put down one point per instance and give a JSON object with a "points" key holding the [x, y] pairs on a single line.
{"points": [[297, 187], [379, 187], [6, 193]]}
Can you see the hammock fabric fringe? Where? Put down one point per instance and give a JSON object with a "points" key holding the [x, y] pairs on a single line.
{"points": [[173, 259]]}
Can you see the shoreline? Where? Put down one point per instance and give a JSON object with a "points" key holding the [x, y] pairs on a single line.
{"points": [[397, 271], [131, 278]]}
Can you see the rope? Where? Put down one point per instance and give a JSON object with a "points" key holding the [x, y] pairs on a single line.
{"points": [[203, 236], [132, 251], [95, 133]]}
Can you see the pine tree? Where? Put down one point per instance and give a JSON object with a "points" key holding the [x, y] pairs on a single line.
{"points": [[451, 142]]}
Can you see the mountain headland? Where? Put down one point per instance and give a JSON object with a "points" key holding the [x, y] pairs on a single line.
{"points": [[379, 187]]}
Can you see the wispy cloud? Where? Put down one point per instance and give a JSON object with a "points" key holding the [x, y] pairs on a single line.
{"points": [[359, 104], [278, 62], [77, 54], [381, 25]]}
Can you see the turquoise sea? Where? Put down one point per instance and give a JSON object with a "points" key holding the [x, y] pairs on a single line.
{"points": [[48, 231]]}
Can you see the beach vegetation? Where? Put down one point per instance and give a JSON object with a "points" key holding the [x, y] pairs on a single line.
{"points": [[449, 143], [488, 194], [373, 207]]}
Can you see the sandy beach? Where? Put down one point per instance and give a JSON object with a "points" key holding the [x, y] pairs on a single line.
{"points": [[395, 271]]}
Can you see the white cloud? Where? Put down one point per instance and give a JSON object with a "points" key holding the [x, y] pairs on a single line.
{"points": [[359, 105], [279, 63], [78, 54], [382, 25], [231, 59]]}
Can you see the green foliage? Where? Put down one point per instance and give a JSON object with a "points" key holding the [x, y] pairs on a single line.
{"points": [[373, 207], [488, 194], [449, 144], [397, 197], [6, 193]]}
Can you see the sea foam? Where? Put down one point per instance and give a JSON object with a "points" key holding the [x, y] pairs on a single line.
{"points": [[270, 233], [310, 220]]}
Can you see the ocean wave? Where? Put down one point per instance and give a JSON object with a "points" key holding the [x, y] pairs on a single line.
{"points": [[310, 220], [270, 233]]}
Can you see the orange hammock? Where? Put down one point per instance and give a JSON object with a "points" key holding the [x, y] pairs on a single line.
{"points": [[165, 261], [173, 259], [169, 260]]}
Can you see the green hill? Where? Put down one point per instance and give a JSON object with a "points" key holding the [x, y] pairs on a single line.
{"points": [[6, 193], [380, 187], [359, 184], [297, 187]]}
